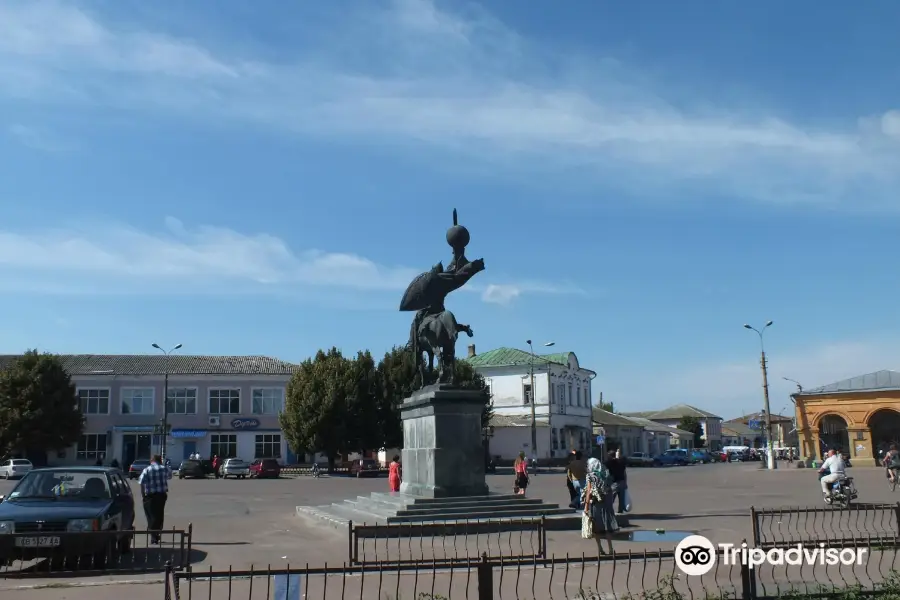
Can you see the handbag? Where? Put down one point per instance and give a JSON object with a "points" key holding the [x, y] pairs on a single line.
{"points": [[587, 527]]}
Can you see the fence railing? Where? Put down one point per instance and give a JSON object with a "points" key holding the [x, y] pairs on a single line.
{"points": [[632, 575], [323, 470], [47, 553], [871, 524], [448, 541]]}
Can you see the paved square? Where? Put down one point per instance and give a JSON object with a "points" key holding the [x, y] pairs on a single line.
{"points": [[240, 523]]}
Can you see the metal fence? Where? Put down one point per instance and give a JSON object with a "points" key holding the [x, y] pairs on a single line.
{"points": [[343, 471], [632, 575], [448, 541], [47, 553], [870, 524]]}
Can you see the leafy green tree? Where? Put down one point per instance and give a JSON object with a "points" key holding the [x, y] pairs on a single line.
{"points": [[364, 384], [39, 408], [607, 406], [693, 425], [316, 405]]}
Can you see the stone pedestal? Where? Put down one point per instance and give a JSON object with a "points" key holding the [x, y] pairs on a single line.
{"points": [[443, 454]]}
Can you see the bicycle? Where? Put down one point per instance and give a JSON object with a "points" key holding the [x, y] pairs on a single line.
{"points": [[892, 481]]}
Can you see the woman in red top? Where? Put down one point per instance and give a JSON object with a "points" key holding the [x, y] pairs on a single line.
{"points": [[520, 466], [394, 474]]}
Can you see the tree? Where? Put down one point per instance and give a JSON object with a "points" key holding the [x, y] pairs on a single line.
{"points": [[693, 425], [363, 424], [316, 405], [39, 408], [607, 406]]}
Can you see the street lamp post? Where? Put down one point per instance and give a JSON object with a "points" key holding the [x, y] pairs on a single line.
{"points": [[165, 420], [797, 409], [533, 414], [770, 451]]}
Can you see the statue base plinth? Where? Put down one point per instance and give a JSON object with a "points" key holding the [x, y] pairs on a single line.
{"points": [[443, 452]]}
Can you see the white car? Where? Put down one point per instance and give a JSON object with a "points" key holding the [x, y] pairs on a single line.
{"points": [[235, 467], [15, 467]]}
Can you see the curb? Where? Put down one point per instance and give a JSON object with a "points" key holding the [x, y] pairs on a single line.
{"points": [[84, 584]]}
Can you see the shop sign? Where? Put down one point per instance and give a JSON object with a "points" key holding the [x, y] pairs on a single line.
{"points": [[245, 424]]}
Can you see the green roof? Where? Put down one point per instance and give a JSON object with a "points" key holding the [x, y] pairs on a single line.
{"points": [[508, 357], [603, 417]]}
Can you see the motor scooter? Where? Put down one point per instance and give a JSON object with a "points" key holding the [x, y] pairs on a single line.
{"points": [[843, 491]]}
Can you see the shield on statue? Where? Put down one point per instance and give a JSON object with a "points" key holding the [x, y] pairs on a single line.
{"points": [[420, 293]]}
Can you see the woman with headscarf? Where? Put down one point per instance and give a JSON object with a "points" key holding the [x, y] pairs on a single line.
{"points": [[597, 500]]}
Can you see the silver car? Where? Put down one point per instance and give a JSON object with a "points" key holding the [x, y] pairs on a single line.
{"points": [[235, 467], [15, 467]]}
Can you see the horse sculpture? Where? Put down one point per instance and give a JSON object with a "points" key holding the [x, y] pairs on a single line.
{"points": [[436, 335]]}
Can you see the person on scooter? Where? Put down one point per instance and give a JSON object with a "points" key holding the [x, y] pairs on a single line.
{"points": [[834, 464], [891, 462]]}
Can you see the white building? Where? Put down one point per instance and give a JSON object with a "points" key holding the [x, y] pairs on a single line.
{"points": [[672, 416], [560, 388]]}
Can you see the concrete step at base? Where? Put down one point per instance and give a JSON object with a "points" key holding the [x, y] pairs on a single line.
{"points": [[469, 515], [485, 508]]}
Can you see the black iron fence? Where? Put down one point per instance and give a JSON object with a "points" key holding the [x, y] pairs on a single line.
{"points": [[46, 553], [870, 524], [632, 575], [447, 541]]}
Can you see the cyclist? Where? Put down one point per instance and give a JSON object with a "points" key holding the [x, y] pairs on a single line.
{"points": [[315, 469], [891, 462]]}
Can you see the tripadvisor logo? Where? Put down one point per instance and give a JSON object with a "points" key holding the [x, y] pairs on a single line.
{"points": [[696, 555]]}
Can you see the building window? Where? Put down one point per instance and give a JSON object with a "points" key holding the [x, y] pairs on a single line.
{"points": [[268, 401], [268, 445], [223, 445], [578, 396], [571, 399], [554, 439], [94, 401], [561, 393], [91, 446], [182, 401], [225, 402], [137, 401], [526, 392], [552, 394]]}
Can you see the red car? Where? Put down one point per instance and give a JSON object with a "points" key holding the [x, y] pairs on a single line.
{"points": [[266, 467]]}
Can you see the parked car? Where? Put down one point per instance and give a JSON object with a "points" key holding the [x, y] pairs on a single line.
{"points": [[15, 467], [365, 467], [86, 499], [640, 459], [701, 456], [194, 468], [265, 467], [675, 456], [137, 467], [234, 467]]}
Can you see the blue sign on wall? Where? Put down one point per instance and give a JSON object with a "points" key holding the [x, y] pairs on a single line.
{"points": [[188, 433], [754, 424], [600, 440], [245, 424]]}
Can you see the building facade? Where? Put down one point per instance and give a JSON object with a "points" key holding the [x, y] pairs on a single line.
{"points": [[751, 429], [637, 434], [217, 405], [860, 415], [560, 389], [672, 416]]}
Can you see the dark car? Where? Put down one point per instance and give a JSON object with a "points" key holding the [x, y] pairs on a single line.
{"points": [[265, 467], [194, 468], [365, 467], [47, 511], [137, 467]]}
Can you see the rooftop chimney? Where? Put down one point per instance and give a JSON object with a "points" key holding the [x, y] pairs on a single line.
{"points": [[471, 350]]}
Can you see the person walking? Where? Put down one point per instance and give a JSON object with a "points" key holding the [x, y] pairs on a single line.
{"points": [[598, 504], [616, 466], [215, 465], [576, 474], [394, 474], [154, 482], [520, 467]]}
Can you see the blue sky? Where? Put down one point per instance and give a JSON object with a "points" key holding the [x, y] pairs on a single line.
{"points": [[641, 179]]}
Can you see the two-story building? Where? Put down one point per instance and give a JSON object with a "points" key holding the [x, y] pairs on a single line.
{"points": [[217, 405], [560, 389], [672, 416], [752, 427]]}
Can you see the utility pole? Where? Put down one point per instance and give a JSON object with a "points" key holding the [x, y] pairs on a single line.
{"points": [[531, 400], [164, 434], [770, 450]]}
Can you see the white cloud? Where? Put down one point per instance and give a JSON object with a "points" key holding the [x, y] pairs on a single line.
{"points": [[733, 388], [79, 259], [464, 83], [37, 139], [500, 294]]}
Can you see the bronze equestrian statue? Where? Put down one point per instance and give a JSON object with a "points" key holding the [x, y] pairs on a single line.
{"points": [[435, 329]]}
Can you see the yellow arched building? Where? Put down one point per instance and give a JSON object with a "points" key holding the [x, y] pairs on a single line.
{"points": [[860, 415]]}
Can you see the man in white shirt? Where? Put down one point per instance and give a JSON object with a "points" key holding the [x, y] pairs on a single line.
{"points": [[835, 465]]}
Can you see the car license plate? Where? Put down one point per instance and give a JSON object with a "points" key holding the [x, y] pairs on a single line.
{"points": [[42, 541]]}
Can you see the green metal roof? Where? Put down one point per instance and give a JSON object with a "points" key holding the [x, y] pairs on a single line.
{"points": [[507, 357]]}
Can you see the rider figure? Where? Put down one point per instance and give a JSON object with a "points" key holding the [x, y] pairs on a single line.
{"points": [[834, 464], [891, 462]]}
